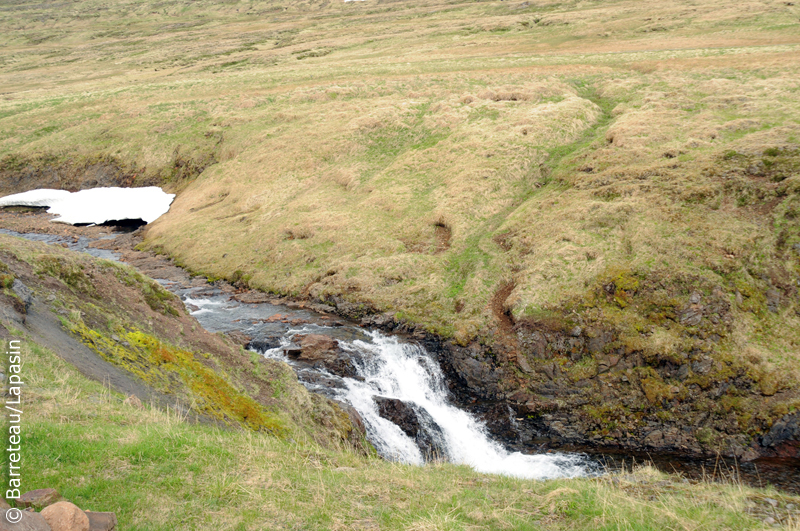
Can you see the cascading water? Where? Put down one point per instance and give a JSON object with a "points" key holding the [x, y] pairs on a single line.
{"points": [[406, 372], [390, 368]]}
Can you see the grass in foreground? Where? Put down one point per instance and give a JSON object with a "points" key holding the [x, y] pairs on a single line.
{"points": [[158, 472]]}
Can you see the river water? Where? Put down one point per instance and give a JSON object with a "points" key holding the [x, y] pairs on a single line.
{"points": [[388, 367], [385, 367]]}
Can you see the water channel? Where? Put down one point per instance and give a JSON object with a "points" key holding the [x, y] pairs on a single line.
{"points": [[388, 368]]}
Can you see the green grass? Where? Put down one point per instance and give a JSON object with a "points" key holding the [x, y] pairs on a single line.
{"points": [[157, 471], [557, 142]]}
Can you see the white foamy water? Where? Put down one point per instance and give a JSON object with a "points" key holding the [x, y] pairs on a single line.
{"points": [[403, 371], [96, 205], [388, 367]]}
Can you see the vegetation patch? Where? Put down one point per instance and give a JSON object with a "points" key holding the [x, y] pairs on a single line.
{"points": [[178, 371]]}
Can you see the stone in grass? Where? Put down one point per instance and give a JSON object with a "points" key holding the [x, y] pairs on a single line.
{"points": [[101, 521], [30, 521], [65, 516], [38, 498]]}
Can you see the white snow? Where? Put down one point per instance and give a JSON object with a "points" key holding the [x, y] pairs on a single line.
{"points": [[97, 205]]}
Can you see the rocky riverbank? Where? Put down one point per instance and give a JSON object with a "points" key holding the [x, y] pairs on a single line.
{"points": [[568, 383]]}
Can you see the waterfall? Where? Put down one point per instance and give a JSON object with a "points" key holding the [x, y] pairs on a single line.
{"points": [[390, 368]]}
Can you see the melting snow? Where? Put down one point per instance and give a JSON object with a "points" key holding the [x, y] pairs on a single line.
{"points": [[97, 205]]}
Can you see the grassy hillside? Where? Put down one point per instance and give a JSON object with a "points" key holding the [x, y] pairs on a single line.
{"points": [[130, 321], [159, 472], [484, 170], [420, 155]]}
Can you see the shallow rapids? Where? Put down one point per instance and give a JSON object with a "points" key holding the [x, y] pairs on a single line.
{"points": [[388, 367]]}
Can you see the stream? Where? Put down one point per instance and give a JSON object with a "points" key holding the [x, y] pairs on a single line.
{"points": [[390, 372]]}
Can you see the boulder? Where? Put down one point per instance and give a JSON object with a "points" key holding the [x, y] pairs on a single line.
{"points": [[38, 498], [101, 521], [262, 345], [65, 516], [318, 347], [415, 423], [30, 521], [400, 413], [323, 352], [787, 429]]}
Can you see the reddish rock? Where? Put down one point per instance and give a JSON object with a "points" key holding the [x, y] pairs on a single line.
{"points": [[38, 498], [101, 521], [30, 521], [65, 516], [323, 351], [318, 347]]}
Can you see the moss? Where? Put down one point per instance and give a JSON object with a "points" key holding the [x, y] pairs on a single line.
{"points": [[705, 436], [654, 389], [174, 370]]}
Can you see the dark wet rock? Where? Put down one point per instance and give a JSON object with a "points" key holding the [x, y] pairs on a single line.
{"points": [[38, 498], [317, 379], [416, 423], [477, 374], [499, 420], [348, 309], [380, 320], [263, 345], [787, 429], [400, 413]]}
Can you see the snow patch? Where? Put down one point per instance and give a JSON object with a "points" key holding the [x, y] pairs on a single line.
{"points": [[96, 205]]}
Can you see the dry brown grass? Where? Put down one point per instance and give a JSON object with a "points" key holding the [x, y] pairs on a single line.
{"points": [[582, 133]]}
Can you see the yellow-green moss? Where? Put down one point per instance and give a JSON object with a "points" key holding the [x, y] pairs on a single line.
{"points": [[174, 370]]}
